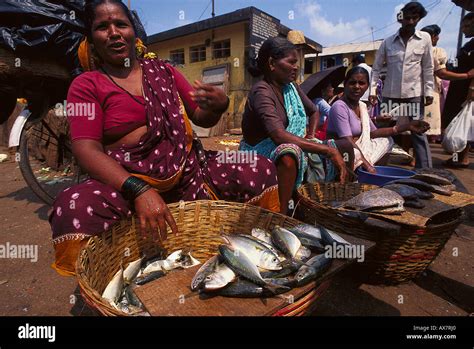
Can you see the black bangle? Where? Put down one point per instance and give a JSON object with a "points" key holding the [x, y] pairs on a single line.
{"points": [[133, 187]]}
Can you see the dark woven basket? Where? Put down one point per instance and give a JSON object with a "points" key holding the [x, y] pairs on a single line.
{"points": [[397, 257], [200, 224]]}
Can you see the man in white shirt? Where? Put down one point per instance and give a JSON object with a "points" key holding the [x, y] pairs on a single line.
{"points": [[409, 84], [359, 61]]}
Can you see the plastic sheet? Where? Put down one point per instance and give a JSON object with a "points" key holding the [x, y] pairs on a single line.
{"points": [[51, 28]]}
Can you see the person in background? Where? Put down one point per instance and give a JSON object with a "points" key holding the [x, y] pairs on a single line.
{"points": [[462, 90], [323, 108], [359, 61], [349, 120], [433, 111], [410, 81], [274, 123]]}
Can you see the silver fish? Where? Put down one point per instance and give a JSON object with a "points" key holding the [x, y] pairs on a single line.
{"points": [[286, 271], [114, 289], [285, 241], [405, 191], [131, 297], [132, 270], [303, 253], [266, 244], [219, 278], [375, 200], [307, 240], [206, 269], [312, 269], [431, 178], [242, 265], [262, 235], [423, 186], [241, 288], [148, 277], [258, 253], [187, 261], [315, 232]]}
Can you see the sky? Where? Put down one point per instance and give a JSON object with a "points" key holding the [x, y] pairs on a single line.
{"points": [[328, 22]]}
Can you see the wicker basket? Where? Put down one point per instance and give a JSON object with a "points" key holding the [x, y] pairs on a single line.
{"points": [[200, 224], [396, 257]]}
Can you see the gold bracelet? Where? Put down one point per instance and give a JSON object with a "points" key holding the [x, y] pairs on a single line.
{"points": [[395, 129]]}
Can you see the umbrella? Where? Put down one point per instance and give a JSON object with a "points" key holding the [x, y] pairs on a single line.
{"points": [[313, 84]]}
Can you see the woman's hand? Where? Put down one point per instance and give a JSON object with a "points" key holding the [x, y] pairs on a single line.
{"points": [[383, 118], [210, 98], [336, 158], [470, 74], [153, 215], [368, 167], [418, 126]]}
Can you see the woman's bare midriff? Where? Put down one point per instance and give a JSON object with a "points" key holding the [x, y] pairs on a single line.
{"points": [[129, 139]]}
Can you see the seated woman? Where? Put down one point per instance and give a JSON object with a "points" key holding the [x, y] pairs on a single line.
{"points": [[349, 119], [323, 108], [274, 122], [139, 139]]}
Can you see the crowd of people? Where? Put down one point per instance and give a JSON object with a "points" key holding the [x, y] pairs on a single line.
{"points": [[141, 153]]}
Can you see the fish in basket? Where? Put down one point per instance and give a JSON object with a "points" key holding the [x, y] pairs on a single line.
{"points": [[409, 219], [228, 259]]}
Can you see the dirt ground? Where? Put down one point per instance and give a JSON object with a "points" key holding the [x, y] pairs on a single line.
{"points": [[32, 288]]}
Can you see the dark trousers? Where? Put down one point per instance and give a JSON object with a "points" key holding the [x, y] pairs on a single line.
{"points": [[414, 109]]}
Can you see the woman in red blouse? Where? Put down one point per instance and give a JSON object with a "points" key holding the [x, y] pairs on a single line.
{"points": [[130, 131]]}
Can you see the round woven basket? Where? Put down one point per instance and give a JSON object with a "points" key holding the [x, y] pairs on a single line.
{"points": [[396, 257], [200, 225]]}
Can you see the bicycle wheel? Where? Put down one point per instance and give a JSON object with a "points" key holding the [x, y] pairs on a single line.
{"points": [[46, 159]]}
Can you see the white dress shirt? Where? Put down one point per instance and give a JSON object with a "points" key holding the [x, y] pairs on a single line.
{"points": [[409, 68]]}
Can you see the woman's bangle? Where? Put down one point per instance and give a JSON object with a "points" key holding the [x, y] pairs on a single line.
{"points": [[133, 187], [395, 130]]}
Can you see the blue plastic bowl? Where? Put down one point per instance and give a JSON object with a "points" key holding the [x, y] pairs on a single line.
{"points": [[384, 175]]}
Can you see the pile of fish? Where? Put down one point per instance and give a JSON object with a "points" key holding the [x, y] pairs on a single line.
{"points": [[264, 263], [120, 290], [394, 196]]}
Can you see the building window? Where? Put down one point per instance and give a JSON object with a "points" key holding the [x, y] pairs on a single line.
{"points": [[221, 49], [308, 66], [197, 54], [177, 56], [328, 63]]}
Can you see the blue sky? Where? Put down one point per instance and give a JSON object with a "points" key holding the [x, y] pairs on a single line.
{"points": [[329, 22]]}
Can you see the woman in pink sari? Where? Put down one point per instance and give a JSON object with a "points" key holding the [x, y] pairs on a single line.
{"points": [[136, 142]]}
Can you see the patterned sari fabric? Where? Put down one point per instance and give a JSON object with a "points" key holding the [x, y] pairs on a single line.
{"points": [[316, 167], [171, 160]]}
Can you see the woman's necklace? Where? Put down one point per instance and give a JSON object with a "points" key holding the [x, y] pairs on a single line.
{"points": [[120, 87], [354, 107]]}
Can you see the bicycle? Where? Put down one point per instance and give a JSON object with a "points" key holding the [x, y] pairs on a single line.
{"points": [[41, 136]]}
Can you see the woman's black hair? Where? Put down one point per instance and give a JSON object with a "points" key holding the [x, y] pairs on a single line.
{"points": [[469, 16], [414, 7], [433, 29], [276, 48], [357, 70], [90, 8]]}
